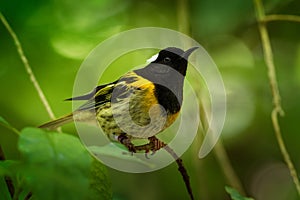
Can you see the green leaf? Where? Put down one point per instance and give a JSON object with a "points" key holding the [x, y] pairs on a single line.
{"points": [[4, 193], [235, 195], [56, 165], [114, 151], [7, 167], [100, 186]]}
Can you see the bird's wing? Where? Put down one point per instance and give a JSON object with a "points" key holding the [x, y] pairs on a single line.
{"points": [[113, 92], [91, 94], [100, 95]]}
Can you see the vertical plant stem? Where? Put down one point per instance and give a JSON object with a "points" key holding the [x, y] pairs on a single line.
{"points": [[228, 170], [183, 16], [221, 155], [219, 149], [27, 66], [277, 109]]}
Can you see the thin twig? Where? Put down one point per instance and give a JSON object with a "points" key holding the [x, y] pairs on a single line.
{"points": [[14, 130], [291, 18], [27, 66], [182, 170], [154, 145], [277, 109]]}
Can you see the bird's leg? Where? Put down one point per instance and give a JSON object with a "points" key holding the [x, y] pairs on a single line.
{"points": [[123, 139], [153, 145]]}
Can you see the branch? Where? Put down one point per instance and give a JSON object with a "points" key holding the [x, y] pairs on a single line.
{"points": [[277, 109], [154, 145], [27, 66], [182, 170], [291, 18]]}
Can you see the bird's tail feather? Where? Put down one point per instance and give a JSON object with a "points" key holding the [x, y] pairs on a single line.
{"points": [[57, 122]]}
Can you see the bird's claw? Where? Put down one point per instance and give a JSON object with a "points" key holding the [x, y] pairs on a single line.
{"points": [[123, 139], [153, 145]]}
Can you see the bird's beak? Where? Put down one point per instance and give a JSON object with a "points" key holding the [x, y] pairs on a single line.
{"points": [[188, 52]]}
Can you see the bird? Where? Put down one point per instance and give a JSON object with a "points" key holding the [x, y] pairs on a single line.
{"points": [[138, 105]]}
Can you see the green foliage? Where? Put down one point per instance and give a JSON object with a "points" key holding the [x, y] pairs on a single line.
{"points": [[54, 166], [235, 195], [117, 151], [5, 195], [99, 182], [68, 167], [6, 166], [57, 35]]}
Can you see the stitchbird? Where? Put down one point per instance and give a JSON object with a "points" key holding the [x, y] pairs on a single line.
{"points": [[140, 104]]}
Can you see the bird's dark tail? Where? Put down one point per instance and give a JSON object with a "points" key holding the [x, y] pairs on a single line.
{"points": [[57, 122]]}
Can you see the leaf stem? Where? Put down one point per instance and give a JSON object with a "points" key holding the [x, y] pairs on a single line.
{"points": [[8, 126], [277, 109], [27, 66]]}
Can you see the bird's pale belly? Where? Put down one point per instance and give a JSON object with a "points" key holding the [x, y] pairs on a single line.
{"points": [[133, 120]]}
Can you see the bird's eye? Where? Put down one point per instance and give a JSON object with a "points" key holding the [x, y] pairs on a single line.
{"points": [[167, 59]]}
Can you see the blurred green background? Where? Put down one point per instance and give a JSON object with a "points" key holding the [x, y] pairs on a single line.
{"points": [[58, 35]]}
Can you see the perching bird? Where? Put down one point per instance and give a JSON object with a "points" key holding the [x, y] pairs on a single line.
{"points": [[128, 108]]}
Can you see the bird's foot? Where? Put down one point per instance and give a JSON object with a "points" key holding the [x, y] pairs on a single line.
{"points": [[123, 139], [153, 146]]}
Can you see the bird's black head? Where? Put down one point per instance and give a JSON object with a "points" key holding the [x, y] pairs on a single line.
{"points": [[175, 58], [167, 73]]}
